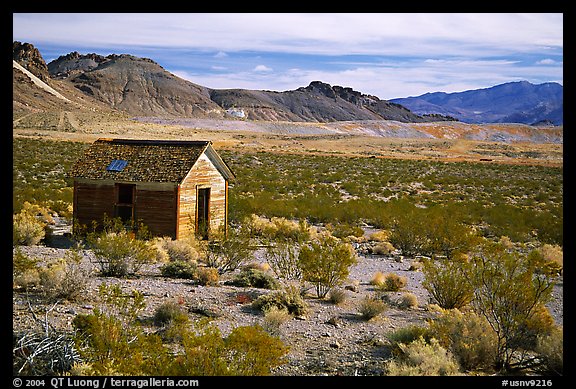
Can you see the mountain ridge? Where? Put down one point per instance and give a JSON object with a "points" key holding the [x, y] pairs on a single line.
{"points": [[140, 87], [517, 101]]}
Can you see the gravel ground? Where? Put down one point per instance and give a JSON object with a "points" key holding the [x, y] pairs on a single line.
{"points": [[330, 340]]}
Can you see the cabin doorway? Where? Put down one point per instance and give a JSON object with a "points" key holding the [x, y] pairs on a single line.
{"points": [[203, 212]]}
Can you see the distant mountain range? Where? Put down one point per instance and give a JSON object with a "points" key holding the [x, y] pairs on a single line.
{"points": [[141, 87], [513, 102]]}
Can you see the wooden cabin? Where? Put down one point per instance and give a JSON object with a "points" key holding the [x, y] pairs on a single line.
{"points": [[173, 187]]}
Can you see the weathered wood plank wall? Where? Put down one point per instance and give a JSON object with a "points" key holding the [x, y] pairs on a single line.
{"points": [[91, 202], [203, 175]]}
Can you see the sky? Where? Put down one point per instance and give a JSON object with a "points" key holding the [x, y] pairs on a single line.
{"points": [[389, 55]]}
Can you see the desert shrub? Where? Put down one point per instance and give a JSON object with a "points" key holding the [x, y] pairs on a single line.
{"points": [[254, 278], [344, 230], [415, 266], [120, 304], [179, 269], [25, 270], [548, 259], [392, 283], [289, 230], [408, 226], [370, 307], [379, 236], [279, 229], [337, 296], [120, 254], [282, 255], [185, 250], [383, 248], [109, 348], [446, 234], [551, 349], [103, 341], [378, 279], [261, 266], [288, 298], [506, 242], [447, 283], [408, 301], [325, 262], [552, 253], [207, 276], [253, 351], [168, 313], [227, 252], [540, 323], [511, 296], [274, 317], [420, 358], [27, 230], [406, 335], [469, 337], [65, 278]]}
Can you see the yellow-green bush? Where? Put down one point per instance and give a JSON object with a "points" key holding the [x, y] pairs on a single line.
{"points": [[65, 278], [207, 276], [371, 307], [391, 282], [468, 336], [108, 348], [25, 270], [551, 349], [120, 254], [288, 298], [378, 279], [447, 283], [408, 301], [180, 250], [421, 358], [27, 230], [274, 317], [383, 248], [325, 262]]}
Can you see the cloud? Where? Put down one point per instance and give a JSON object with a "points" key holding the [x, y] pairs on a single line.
{"points": [[388, 80], [262, 68], [385, 54], [315, 33], [547, 61]]}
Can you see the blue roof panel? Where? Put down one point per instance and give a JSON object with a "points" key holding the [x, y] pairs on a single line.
{"points": [[117, 165]]}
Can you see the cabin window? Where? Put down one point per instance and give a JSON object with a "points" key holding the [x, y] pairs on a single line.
{"points": [[203, 212], [124, 205]]}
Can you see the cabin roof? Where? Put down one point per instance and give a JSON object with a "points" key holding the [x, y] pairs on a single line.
{"points": [[144, 160]]}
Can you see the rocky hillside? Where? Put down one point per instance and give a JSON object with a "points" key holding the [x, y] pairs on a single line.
{"points": [[138, 86], [30, 58], [513, 102], [35, 92], [141, 87], [318, 102]]}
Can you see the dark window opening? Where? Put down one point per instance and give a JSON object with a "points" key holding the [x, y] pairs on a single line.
{"points": [[203, 218], [125, 194], [124, 206]]}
